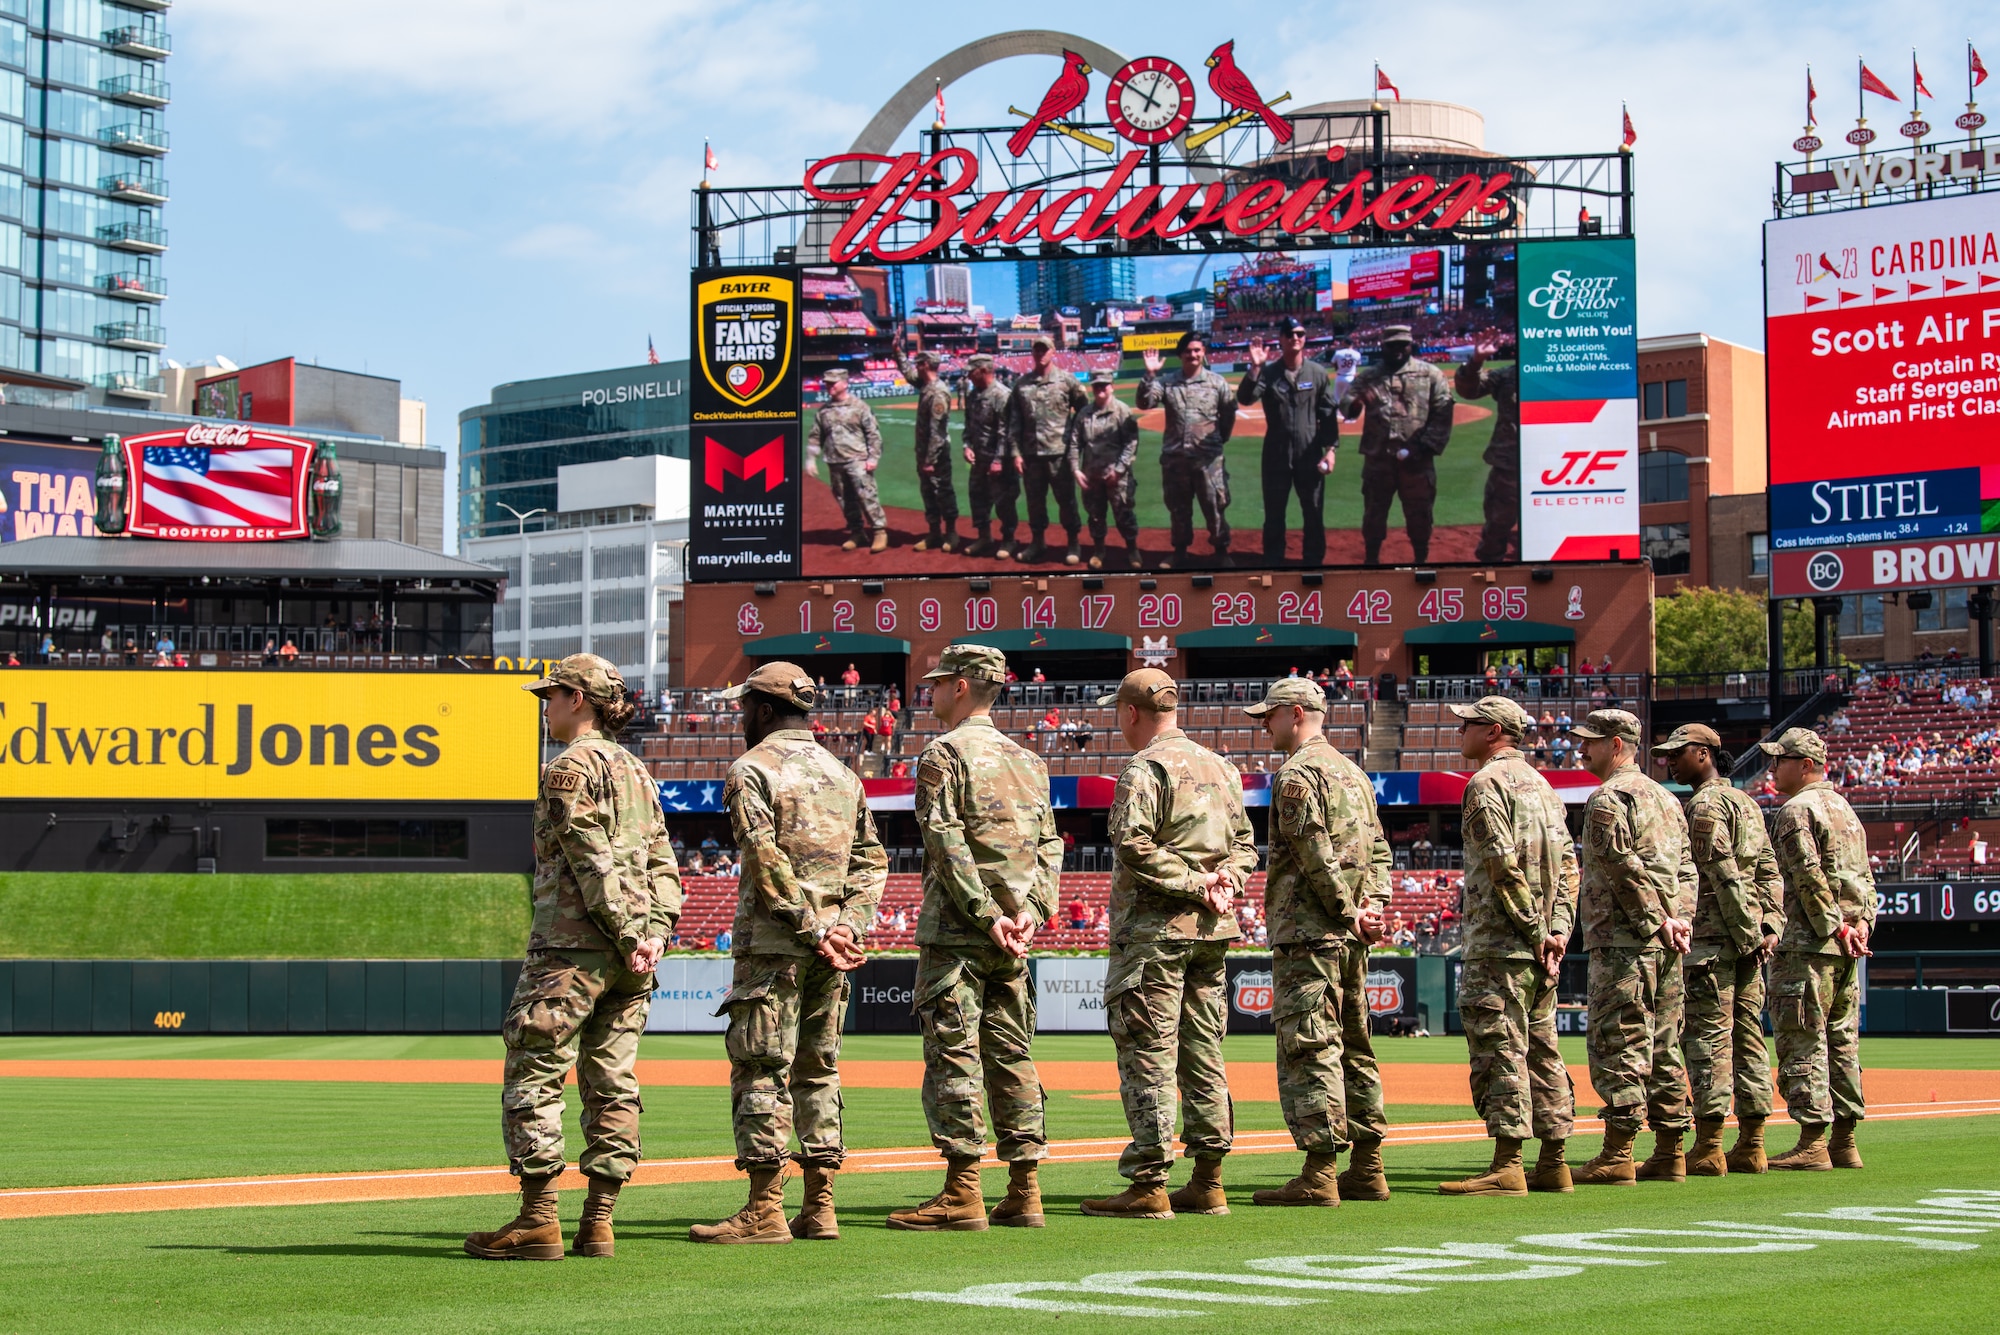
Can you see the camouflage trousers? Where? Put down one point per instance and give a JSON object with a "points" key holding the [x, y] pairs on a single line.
{"points": [[1100, 495], [1503, 513], [854, 491], [993, 494], [1383, 480], [1816, 1010], [1187, 479], [1519, 1082], [1634, 1037], [1045, 473], [785, 1014], [976, 1006], [940, 501], [1724, 1040], [581, 1009], [1367, 1119], [1166, 1005], [1307, 985]]}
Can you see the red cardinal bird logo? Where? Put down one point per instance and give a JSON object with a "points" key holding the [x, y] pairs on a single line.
{"points": [[1236, 90], [1065, 95]]}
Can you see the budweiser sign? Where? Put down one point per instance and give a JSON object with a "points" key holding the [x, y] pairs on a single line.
{"points": [[940, 193]]}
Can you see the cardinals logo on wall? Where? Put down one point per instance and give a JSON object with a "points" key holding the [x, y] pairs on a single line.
{"points": [[745, 328], [1150, 101]]}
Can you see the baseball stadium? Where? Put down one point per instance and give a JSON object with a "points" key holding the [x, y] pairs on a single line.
{"points": [[1458, 874]]}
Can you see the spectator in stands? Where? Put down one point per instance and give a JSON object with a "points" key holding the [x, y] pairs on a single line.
{"points": [[48, 648], [885, 728], [1420, 850], [270, 653], [724, 939], [180, 659], [1038, 678], [1078, 914], [160, 659], [1492, 679], [1012, 677], [900, 770], [892, 699], [1604, 665], [1294, 672], [709, 844], [1052, 721], [902, 920], [1583, 667], [131, 652], [1402, 936], [851, 677], [1343, 679], [819, 730], [290, 653], [870, 727]]}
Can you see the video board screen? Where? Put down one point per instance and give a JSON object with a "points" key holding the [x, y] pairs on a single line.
{"points": [[1883, 368]]}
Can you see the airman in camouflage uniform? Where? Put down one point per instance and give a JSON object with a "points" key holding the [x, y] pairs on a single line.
{"points": [[1502, 384], [1104, 441], [1038, 419], [1408, 425], [1367, 1118], [607, 895], [1328, 858], [933, 451], [1815, 983], [1520, 909], [992, 859], [992, 490], [1201, 416], [1638, 898], [844, 430], [1183, 850], [1737, 922], [813, 872]]}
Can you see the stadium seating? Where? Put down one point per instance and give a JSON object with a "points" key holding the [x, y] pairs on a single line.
{"points": [[1904, 742]]}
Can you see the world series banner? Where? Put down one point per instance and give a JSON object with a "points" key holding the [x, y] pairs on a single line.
{"points": [[743, 403]]}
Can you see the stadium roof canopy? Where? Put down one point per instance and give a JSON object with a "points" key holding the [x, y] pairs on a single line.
{"points": [[347, 558]]}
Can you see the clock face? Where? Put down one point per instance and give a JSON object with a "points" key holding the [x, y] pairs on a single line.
{"points": [[1150, 100]]}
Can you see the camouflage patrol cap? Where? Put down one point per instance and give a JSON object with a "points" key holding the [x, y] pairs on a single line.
{"points": [[588, 674], [1301, 691], [1803, 743], [784, 682], [832, 376], [929, 359], [1689, 734], [1103, 378], [1042, 341], [1396, 333], [1609, 723], [980, 363], [1148, 688], [974, 662], [1498, 709]]}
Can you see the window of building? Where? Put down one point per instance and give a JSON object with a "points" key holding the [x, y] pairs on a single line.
{"points": [[1760, 554], [661, 653], [625, 650], [664, 600], [1663, 476], [555, 646], [563, 609], [1946, 612], [670, 562], [399, 839], [558, 567], [507, 614], [1665, 398], [618, 563], [1861, 614], [510, 567], [1667, 547], [618, 605]]}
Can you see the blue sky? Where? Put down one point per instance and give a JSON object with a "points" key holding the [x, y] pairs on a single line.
{"points": [[465, 192]]}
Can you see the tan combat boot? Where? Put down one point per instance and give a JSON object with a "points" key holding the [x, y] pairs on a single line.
{"points": [[1315, 1185], [761, 1220], [1505, 1177], [1364, 1179], [1141, 1200], [1023, 1206], [1551, 1171], [982, 540], [593, 1231], [1613, 1165], [853, 541], [1666, 1163], [1203, 1192], [1809, 1155], [881, 542], [930, 542], [815, 1221], [959, 1208], [535, 1233], [1706, 1159], [1841, 1151], [1747, 1154]]}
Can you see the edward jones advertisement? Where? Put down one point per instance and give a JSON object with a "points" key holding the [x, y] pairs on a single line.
{"points": [[268, 736]]}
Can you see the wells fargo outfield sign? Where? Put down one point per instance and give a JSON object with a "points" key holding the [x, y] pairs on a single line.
{"points": [[241, 736]]}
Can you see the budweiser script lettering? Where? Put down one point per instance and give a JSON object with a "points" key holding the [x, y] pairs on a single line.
{"points": [[1088, 213]]}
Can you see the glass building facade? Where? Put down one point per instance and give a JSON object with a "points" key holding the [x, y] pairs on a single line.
{"points": [[83, 99], [509, 449]]}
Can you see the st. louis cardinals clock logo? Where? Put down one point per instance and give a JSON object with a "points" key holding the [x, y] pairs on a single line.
{"points": [[1150, 101]]}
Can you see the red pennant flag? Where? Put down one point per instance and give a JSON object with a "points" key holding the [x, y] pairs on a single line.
{"points": [[1812, 96], [1919, 287], [940, 102], [1986, 281], [1631, 135], [1885, 292], [1850, 296], [1951, 283], [1812, 301], [1382, 84], [1871, 84], [1918, 74], [708, 162], [1975, 64]]}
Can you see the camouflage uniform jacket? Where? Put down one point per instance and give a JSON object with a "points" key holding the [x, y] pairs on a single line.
{"points": [[1742, 895], [1412, 409], [1328, 856], [1361, 793], [1520, 863], [1103, 438], [986, 422], [846, 432], [933, 415], [605, 877], [811, 858], [1502, 384], [1038, 411], [1176, 815], [1201, 411], [1637, 870], [990, 841], [1823, 852]]}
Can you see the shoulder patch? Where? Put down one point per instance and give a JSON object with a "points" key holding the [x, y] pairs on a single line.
{"points": [[562, 780]]}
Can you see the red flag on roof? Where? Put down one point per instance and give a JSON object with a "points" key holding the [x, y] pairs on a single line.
{"points": [[1382, 84], [1631, 135], [1871, 84], [1975, 64]]}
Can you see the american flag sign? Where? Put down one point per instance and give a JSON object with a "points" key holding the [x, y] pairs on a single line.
{"points": [[250, 492]]}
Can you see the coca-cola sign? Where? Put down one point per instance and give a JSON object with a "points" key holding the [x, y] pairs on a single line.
{"points": [[233, 433]]}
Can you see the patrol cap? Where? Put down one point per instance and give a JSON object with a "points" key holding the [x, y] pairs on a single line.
{"points": [[1803, 743], [1689, 734], [980, 363], [929, 359], [1301, 691], [1609, 723], [833, 375], [594, 677], [974, 662], [1042, 341], [786, 682], [1148, 688], [1291, 324], [1396, 333], [1497, 709], [1103, 378]]}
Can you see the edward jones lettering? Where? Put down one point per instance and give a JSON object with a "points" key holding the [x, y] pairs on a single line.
{"points": [[224, 735]]}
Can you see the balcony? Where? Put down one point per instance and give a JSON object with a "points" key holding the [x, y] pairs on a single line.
{"points": [[149, 287], [130, 385], [136, 91], [139, 336], [144, 40], [134, 188], [140, 238], [145, 140]]}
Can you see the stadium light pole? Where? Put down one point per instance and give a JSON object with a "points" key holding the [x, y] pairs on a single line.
{"points": [[521, 532]]}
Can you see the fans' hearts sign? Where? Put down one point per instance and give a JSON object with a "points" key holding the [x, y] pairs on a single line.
{"points": [[745, 328], [744, 379]]}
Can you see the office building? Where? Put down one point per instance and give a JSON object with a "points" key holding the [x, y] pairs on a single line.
{"points": [[949, 285]]}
